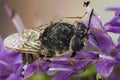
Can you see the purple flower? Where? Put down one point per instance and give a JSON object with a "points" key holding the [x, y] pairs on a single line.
{"points": [[118, 48], [106, 48], [16, 74], [115, 74], [10, 64], [106, 65], [114, 24], [65, 65], [31, 69], [118, 45], [103, 41]]}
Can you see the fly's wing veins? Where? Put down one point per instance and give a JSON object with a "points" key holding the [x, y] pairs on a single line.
{"points": [[27, 41]]}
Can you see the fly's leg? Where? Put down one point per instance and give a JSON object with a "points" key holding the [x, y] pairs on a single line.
{"points": [[24, 61], [72, 61], [86, 5], [74, 17], [73, 54], [27, 59]]}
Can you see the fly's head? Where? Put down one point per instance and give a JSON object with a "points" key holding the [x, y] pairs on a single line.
{"points": [[80, 30]]}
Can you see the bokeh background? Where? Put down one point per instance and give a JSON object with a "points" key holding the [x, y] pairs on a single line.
{"points": [[36, 12]]}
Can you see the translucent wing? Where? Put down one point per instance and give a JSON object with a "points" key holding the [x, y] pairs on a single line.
{"points": [[14, 41], [27, 41]]}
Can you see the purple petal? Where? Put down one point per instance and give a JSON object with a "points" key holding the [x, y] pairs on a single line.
{"points": [[31, 69], [8, 11], [113, 25], [115, 9], [12, 58], [118, 45], [53, 64], [81, 64], [17, 74], [66, 65], [117, 58], [114, 29], [115, 75], [3, 51], [7, 62], [106, 44], [5, 69], [90, 55], [105, 67], [3, 78], [15, 18], [114, 22], [119, 39], [96, 23]]}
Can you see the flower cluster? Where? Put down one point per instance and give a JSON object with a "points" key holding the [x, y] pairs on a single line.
{"points": [[10, 64], [104, 54]]}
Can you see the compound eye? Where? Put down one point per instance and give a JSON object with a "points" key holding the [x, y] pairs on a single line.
{"points": [[81, 26], [79, 32]]}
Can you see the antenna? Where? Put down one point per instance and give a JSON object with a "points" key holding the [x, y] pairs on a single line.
{"points": [[90, 18]]}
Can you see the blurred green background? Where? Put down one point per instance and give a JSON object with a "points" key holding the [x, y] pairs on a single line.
{"points": [[88, 74]]}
